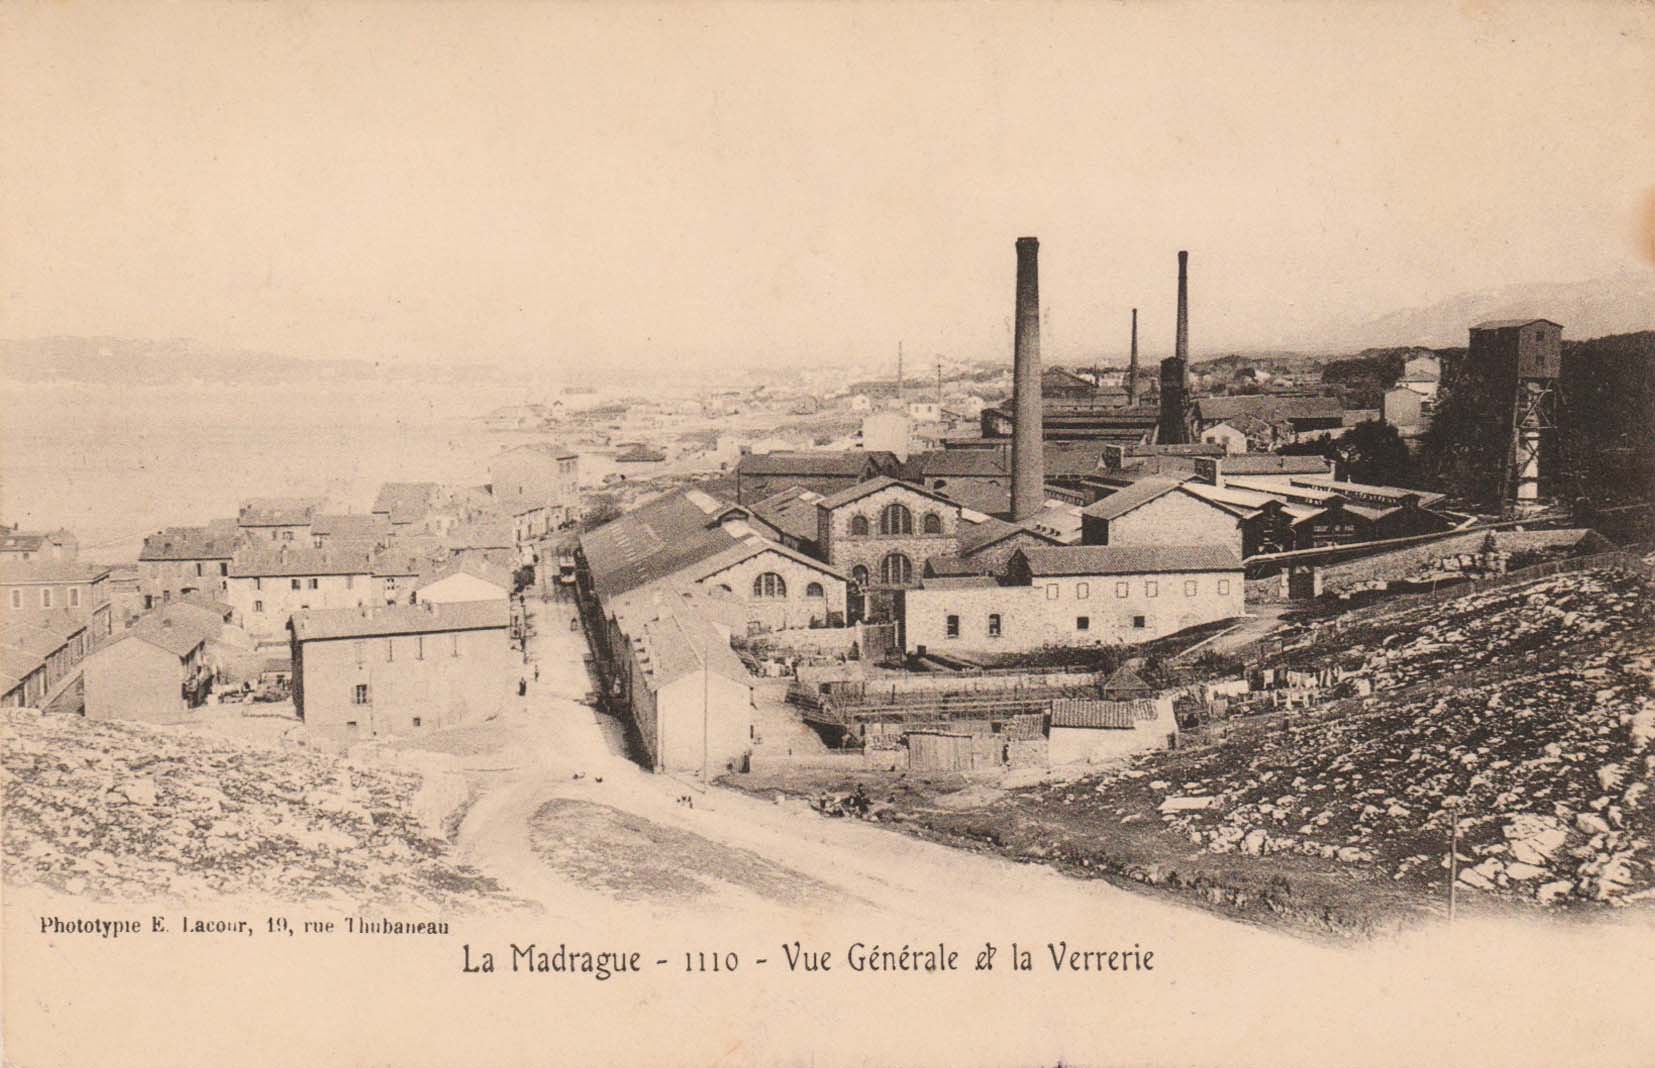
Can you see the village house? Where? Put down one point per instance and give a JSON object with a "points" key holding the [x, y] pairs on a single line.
{"points": [[1153, 510], [391, 670], [158, 669], [360, 527], [30, 545], [1075, 595], [1095, 731], [760, 475], [542, 471], [48, 590], [42, 657], [407, 505], [180, 560], [463, 580], [278, 519], [266, 586]]}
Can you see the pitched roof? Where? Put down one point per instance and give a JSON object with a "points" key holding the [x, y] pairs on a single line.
{"points": [[177, 628], [1508, 324], [1265, 463], [678, 643], [1270, 406], [1101, 715], [18, 665], [851, 494], [958, 582], [357, 525], [951, 567], [1130, 497], [1127, 559], [481, 534], [191, 543], [28, 638], [979, 496], [959, 463], [406, 502], [14, 571], [278, 511], [545, 448], [1125, 680], [480, 569], [323, 624], [974, 537], [286, 560], [792, 511], [846, 463], [654, 541]]}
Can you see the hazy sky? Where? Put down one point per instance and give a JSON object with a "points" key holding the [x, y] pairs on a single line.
{"points": [[609, 183]]}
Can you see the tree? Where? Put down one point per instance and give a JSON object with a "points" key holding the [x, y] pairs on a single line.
{"points": [[1371, 452]]}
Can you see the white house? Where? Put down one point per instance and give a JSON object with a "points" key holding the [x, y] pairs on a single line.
{"points": [[464, 580]]}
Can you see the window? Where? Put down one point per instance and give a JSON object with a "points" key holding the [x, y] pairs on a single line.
{"points": [[769, 585], [1151, 589], [896, 519], [859, 575], [896, 569], [1189, 587], [994, 625], [1082, 591], [1223, 587], [814, 590], [1083, 622], [417, 721], [360, 696], [859, 526], [287, 535], [45, 597], [351, 723], [258, 606], [454, 647], [166, 596], [1139, 622], [933, 523], [419, 647], [74, 596], [312, 583], [390, 649], [1123, 589], [1051, 591], [17, 599], [951, 626], [198, 569], [295, 583], [258, 584], [223, 568]]}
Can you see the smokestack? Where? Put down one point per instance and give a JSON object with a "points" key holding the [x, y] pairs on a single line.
{"points": [[1028, 459], [1181, 348], [1132, 366]]}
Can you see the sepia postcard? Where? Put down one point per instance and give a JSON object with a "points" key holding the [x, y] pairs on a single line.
{"points": [[827, 534]]}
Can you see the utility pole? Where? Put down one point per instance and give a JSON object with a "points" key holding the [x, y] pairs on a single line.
{"points": [[1453, 856]]}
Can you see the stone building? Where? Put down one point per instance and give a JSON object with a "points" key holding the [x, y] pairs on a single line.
{"points": [[266, 586], [49, 591], [1155, 511], [180, 560], [880, 533], [389, 670], [540, 471], [157, 670]]}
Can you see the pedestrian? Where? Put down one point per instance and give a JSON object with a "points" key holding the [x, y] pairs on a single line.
{"points": [[537, 672], [522, 687]]}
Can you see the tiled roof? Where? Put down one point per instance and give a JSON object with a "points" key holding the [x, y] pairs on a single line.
{"points": [[979, 496], [14, 571], [1508, 324], [1271, 407], [1101, 715], [959, 463], [321, 624], [261, 562], [28, 638], [848, 463], [1265, 463], [177, 628], [191, 543], [678, 643], [278, 511], [951, 567], [482, 534], [1130, 497], [406, 502], [1125, 680], [480, 569], [18, 665], [654, 541], [958, 582], [358, 525], [851, 494], [792, 511], [1127, 559]]}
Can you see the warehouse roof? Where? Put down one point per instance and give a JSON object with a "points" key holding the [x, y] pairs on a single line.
{"points": [[324, 624], [678, 643], [656, 540], [845, 463], [1128, 498], [792, 511], [1265, 463], [1270, 407], [1056, 560]]}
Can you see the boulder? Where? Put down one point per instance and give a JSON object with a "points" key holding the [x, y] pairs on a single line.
{"points": [[1552, 892]]}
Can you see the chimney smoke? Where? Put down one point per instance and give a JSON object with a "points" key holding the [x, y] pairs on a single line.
{"points": [[1028, 459]]}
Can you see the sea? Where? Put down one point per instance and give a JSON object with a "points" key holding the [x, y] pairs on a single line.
{"points": [[116, 463]]}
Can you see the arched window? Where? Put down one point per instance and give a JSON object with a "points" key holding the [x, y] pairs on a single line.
{"points": [[896, 570], [933, 523], [896, 519], [769, 584], [859, 526], [814, 590], [859, 575]]}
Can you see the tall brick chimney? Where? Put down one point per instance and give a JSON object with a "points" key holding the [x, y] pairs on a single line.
{"points": [[1028, 458], [1175, 379], [1132, 366]]}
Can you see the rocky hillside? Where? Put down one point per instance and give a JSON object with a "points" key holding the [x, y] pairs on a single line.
{"points": [[126, 811], [1528, 711]]}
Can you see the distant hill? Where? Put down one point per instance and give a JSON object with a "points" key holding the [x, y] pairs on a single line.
{"points": [[133, 361], [1617, 304]]}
